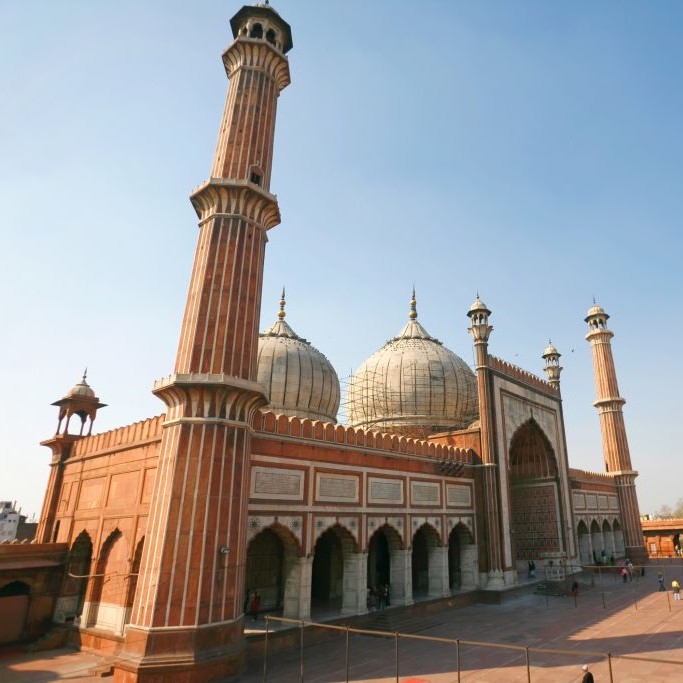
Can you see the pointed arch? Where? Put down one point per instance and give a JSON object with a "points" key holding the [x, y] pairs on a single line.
{"points": [[108, 595], [72, 597], [271, 554], [424, 554], [607, 542], [584, 538], [619, 545], [534, 497], [335, 557], [462, 557], [346, 536], [531, 455], [132, 582]]}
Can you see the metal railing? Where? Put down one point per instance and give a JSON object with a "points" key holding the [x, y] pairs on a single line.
{"points": [[531, 656]]}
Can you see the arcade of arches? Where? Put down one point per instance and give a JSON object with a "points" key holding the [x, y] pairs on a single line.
{"points": [[599, 543], [340, 576]]}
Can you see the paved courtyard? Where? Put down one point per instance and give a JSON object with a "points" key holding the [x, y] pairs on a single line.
{"points": [[631, 619]]}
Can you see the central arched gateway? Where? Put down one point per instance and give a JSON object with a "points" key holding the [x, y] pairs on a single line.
{"points": [[534, 500]]}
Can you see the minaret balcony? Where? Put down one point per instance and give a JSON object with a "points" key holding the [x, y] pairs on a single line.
{"points": [[236, 198]]}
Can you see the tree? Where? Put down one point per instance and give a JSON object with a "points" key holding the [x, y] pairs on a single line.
{"points": [[668, 512]]}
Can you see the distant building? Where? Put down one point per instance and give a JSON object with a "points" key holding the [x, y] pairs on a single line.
{"points": [[9, 521]]}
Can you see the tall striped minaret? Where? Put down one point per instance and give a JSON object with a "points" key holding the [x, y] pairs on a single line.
{"points": [[186, 622], [614, 442], [493, 562]]}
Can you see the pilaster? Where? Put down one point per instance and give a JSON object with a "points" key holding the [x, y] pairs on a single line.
{"points": [[401, 578], [354, 600], [298, 588]]}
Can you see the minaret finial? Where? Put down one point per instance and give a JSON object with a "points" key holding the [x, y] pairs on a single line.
{"points": [[85, 374], [413, 306], [281, 313]]}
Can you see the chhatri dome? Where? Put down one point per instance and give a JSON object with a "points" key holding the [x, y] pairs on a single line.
{"points": [[413, 385], [299, 380]]}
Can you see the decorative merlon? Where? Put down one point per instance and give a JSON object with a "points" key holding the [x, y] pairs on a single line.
{"points": [[123, 437], [283, 425], [504, 368]]}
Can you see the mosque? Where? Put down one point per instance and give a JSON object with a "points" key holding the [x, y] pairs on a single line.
{"points": [[445, 479]]}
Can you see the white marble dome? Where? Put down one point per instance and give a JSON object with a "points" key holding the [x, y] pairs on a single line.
{"points": [[299, 380], [413, 385]]}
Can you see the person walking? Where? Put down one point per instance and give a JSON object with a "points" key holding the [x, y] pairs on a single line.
{"points": [[587, 675], [255, 605], [676, 588], [660, 579]]}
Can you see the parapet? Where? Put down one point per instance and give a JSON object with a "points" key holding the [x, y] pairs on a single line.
{"points": [[122, 437], [340, 435], [504, 368]]}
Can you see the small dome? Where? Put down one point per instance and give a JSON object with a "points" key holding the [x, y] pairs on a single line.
{"points": [[550, 350], [413, 385], [595, 310], [299, 380], [478, 306], [81, 390]]}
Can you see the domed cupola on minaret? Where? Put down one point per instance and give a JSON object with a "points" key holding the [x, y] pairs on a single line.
{"points": [[81, 401], [299, 380], [413, 385]]}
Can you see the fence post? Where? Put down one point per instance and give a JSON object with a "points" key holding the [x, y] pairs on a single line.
{"points": [[396, 640], [609, 664], [668, 599], [528, 666], [301, 653], [457, 657], [265, 652], [347, 654]]}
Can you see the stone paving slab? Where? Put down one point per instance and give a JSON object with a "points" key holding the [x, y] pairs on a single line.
{"points": [[622, 619]]}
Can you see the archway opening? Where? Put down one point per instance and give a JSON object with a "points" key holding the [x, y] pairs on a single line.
{"points": [[379, 562], [619, 546], [425, 568], [265, 571], [14, 603], [133, 579], [71, 602], [108, 597], [328, 572], [336, 556], [596, 542], [461, 558], [534, 496], [607, 552], [584, 544]]}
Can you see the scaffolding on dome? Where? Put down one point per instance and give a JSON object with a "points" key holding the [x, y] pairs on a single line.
{"points": [[369, 404]]}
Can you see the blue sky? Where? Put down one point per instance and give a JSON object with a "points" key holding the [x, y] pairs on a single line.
{"points": [[531, 151]]}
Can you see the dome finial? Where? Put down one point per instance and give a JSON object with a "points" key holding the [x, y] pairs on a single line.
{"points": [[413, 306], [85, 374], [281, 313]]}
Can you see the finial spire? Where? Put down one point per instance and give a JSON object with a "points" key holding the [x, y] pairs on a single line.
{"points": [[85, 374], [281, 313], [413, 306]]}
